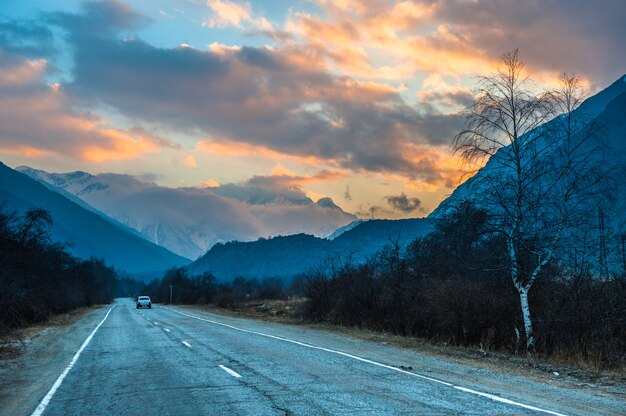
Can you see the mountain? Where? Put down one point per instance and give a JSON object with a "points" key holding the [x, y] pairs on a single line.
{"points": [[343, 229], [88, 232], [286, 257], [607, 110], [189, 221]]}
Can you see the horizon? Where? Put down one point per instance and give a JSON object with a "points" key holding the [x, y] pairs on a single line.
{"points": [[355, 101]]}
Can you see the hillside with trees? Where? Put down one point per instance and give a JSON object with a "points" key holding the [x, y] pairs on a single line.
{"points": [[40, 278]]}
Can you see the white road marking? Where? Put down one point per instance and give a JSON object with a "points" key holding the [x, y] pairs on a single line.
{"points": [[186, 344], [229, 371], [156, 323], [365, 360], [46, 400], [166, 330]]}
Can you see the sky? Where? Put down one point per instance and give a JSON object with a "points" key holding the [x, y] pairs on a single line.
{"points": [[355, 100]]}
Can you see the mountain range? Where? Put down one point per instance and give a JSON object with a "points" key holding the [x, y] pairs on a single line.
{"points": [[189, 221], [89, 233], [286, 256], [229, 229]]}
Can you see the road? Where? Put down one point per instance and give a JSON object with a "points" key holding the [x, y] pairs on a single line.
{"points": [[185, 362]]}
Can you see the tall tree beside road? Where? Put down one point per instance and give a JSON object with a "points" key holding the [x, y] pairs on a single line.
{"points": [[543, 178]]}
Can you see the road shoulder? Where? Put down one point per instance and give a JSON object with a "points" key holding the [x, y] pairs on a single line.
{"points": [[32, 364]]}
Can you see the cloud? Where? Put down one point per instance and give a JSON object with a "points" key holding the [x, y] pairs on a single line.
{"points": [[276, 101], [25, 37], [273, 102], [403, 203], [553, 35], [211, 183], [282, 179], [190, 162], [464, 38], [102, 18], [329, 91], [17, 71], [280, 186], [227, 13], [372, 211], [346, 194], [39, 120]]}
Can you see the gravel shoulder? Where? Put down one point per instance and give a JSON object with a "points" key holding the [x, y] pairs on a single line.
{"points": [[32, 361]]}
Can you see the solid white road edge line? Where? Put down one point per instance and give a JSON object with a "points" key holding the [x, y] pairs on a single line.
{"points": [[365, 360], [229, 371], [44, 402], [186, 344]]}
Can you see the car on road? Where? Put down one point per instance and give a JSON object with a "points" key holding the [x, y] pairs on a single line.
{"points": [[144, 301]]}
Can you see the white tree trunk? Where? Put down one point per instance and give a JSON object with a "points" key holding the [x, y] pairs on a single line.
{"points": [[528, 323]]}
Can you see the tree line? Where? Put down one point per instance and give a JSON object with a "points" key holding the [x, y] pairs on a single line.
{"points": [[453, 286], [185, 288], [39, 277]]}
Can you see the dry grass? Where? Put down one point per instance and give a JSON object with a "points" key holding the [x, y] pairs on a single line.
{"points": [[13, 344]]}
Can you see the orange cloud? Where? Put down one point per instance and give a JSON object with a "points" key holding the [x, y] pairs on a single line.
{"points": [[190, 162], [211, 183], [38, 120], [380, 40], [239, 149], [228, 13], [231, 148], [24, 73], [121, 145], [285, 178], [27, 151]]}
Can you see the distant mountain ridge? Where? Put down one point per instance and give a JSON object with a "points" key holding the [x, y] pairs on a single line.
{"points": [[286, 256], [189, 221], [89, 233]]}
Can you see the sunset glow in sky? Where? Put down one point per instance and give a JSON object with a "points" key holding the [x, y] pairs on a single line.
{"points": [[351, 99]]}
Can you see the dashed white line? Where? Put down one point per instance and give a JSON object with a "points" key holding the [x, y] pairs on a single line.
{"points": [[365, 360], [156, 323], [46, 400], [166, 330], [186, 344], [229, 371]]}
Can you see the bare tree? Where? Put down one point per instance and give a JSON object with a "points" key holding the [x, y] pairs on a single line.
{"points": [[534, 183]]}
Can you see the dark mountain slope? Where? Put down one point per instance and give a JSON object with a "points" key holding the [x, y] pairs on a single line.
{"points": [[285, 257], [88, 232]]}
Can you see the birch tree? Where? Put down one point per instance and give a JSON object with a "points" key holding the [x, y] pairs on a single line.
{"points": [[533, 182]]}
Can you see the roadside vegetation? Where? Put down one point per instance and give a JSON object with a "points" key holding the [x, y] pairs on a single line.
{"points": [[530, 268], [451, 286], [40, 278]]}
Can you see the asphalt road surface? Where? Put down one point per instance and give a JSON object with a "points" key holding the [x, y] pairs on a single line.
{"points": [[179, 361]]}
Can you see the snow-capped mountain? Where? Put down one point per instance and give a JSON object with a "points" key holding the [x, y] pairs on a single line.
{"points": [[189, 221], [87, 232]]}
